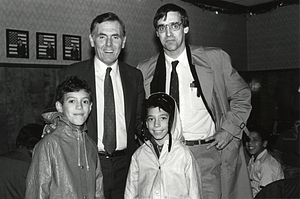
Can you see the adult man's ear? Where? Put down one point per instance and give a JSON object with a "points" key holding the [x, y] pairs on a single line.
{"points": [[91, 40], [186, 30]]}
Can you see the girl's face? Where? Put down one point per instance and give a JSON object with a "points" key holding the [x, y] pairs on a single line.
{"points": [[255, 145], [157, 123]]}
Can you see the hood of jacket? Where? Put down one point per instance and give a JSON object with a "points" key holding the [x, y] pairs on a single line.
{"points": [[55, 117], [176, 127]]}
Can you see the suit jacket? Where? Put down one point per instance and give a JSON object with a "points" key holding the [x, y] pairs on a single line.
{"points": [[228, 99], [134, 94]]}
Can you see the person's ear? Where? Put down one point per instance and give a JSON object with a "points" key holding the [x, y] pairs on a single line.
{"points": [[90, 108], [92, 40], [186, 30], [58, 106], [265, 143], [124, 41]]}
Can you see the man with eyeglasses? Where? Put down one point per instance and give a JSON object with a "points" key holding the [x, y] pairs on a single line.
{"points": [[213, 99]]}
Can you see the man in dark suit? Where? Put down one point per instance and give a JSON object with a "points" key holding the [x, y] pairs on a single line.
{"points": [[107, 37]]}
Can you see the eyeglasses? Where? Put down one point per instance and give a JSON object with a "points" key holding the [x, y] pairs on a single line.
{"points": [[172, 26]]}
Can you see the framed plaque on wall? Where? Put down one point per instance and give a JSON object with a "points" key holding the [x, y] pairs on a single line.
{"points": [[71, 47], [46, 47], [17, 43]]}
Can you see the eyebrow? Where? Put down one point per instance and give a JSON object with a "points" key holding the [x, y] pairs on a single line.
{"points": [[169, 23], [68, 97], [115, 34]]}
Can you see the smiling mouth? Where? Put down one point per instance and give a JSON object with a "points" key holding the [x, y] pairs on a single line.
{"points": [[170, 40], [78, 114]]}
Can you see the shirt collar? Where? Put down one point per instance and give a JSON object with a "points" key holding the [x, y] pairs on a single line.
{"points": [[182, 58], [101, 67], [259, 156]]}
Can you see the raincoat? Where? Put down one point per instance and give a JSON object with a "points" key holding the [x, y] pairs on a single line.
{"points": [[228, 99], [65, 164], [174, 174]]}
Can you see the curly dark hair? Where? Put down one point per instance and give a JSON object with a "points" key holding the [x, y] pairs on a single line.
{"points": [[72, 84]]}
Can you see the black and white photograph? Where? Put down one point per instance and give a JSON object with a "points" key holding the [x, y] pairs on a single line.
{"points": [[17, 43], [71, 47], [46, 46], [131, 99]]}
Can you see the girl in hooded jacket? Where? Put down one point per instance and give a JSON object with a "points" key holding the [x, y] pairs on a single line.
{"points": [[163, 167]]}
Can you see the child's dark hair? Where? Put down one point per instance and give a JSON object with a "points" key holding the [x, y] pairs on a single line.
{"points": [[72, 84], [260, 131]]}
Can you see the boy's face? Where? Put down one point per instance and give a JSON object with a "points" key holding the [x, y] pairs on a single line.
{"points": [[76, 107], [254, 144], [157, 124]]}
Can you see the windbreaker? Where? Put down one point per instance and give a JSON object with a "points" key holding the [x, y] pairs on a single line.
{"points": [[174, 174], [65, 164]]}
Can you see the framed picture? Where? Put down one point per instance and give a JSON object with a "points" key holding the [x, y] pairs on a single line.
{"points": [[46, 47], [17, 43], [71, 47]]}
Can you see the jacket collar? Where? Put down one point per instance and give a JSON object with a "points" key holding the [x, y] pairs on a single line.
{"points": [[54, 117], [158, 83]]}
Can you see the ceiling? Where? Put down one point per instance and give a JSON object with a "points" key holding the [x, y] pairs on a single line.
{"points": [[241, 6], [249, 2]]}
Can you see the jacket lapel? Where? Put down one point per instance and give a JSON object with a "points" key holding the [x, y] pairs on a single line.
{"points": [[158, 83], [126, 84], [203, 76], [90, 77]]}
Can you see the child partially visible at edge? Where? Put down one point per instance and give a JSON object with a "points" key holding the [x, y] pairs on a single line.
{"points": [[65, 163], [263, 167], [163, 167]]}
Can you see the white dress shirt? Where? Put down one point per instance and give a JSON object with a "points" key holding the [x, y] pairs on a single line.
{"points": [[263, 170], [197, 123], [100, 70]]}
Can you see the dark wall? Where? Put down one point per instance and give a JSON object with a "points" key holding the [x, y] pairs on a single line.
{"points": [[276, 99], [25, 91]]}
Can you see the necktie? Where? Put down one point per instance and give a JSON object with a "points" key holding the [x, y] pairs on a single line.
{"points": [[109, 136], [174, 84]]}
